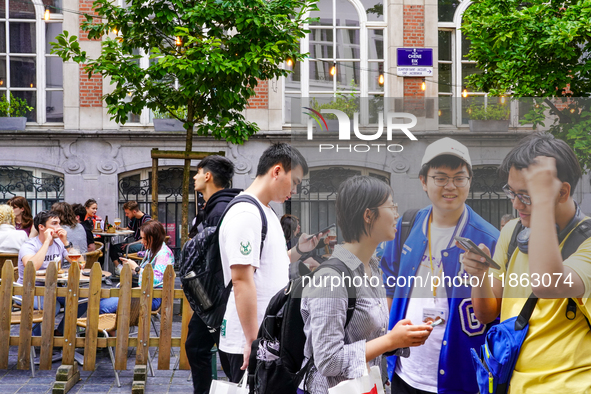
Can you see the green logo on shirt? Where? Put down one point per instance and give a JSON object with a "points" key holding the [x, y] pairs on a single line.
{"points": [[245, 249]]}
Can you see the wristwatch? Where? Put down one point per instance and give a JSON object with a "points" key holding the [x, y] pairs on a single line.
{"points": [[69, 245], [137, 269]]}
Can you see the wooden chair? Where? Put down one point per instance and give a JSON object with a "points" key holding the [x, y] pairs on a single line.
{"points": [[99, 246], [12, 257], [108, 322], [91, 258]]}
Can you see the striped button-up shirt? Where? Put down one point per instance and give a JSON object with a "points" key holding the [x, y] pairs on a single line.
{"points": [[339, 352]]}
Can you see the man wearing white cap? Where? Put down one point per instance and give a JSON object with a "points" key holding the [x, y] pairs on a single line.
{"points": [[425, 280]]}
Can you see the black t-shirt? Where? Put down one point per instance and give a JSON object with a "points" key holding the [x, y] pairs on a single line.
{"points": [[135, 224]]}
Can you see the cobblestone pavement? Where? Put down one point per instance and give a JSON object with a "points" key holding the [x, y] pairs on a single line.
{"points": [[102, 379]]}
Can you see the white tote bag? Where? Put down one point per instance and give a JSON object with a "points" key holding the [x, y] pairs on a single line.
{"points": [[222, 387], [370, 383]]}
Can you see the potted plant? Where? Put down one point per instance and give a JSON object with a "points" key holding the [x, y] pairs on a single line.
{"points": [[164, 122], [12, 113], [489, 118]]}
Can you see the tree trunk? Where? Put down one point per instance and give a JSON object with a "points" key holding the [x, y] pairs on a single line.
{"points": [[187, 177]]}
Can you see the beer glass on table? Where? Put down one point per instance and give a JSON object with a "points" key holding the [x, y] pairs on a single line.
{"points": [[76, 257], [117, 222]]}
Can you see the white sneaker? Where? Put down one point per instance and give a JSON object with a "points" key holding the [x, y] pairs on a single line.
{"points": [[118, 269]]}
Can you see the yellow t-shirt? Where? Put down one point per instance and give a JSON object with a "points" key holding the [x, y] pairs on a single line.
{"points": [[556, 354]]}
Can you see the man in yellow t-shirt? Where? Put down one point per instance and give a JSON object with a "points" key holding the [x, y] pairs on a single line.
{"points": [[555, 356]]}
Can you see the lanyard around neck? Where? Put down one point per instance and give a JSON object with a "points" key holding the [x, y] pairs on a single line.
{"points": [[430, 257]]}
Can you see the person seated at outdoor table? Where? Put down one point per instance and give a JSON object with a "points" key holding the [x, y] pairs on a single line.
{"points": [[11, 239], [68, 221], [91, 207], [136, 219], [22, 215], [51, 244], [80, 213], [158, 254]]}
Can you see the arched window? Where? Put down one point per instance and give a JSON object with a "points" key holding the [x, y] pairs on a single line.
{"points": [[137, 186], [346, 46], [454, 67], [42, 188], [27, 69], [314, 204], [487, 197]]}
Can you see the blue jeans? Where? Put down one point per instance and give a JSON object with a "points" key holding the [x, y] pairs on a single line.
{"points": [[60, 302], [109, 305]]}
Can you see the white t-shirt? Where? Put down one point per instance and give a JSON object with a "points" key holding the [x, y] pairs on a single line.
{"points": [[32, 246], [240, 241], [420, 369]]}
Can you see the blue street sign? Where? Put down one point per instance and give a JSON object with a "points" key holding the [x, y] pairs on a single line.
{"points": [[415, 57]]}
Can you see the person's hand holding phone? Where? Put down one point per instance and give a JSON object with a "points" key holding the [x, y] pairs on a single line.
{"points": [[474, 264]]}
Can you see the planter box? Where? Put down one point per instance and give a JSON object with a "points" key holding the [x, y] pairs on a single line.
{"points": [[17, 123], [168, 125], [487, 126]]}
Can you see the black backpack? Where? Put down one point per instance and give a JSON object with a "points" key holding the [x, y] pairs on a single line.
{"points": [[282, 336], [201, 270]]}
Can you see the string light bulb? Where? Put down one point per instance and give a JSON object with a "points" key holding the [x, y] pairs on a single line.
{"points": [[46, 14], [333, 70], [289, 62], [178, 41], [572, 110], [502, 99], [115, 31], [1, 82], [465, 93], [381, 80], [439, 112], [423, 86]]}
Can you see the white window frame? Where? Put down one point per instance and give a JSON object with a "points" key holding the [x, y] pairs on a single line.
{"points": [[363, 28], [40, 56]]}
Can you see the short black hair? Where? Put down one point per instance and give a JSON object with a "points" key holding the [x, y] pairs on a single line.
{"points": [[283, 154], [354, 197], [221, 168], [79, 211], [544, 144], [42, 218], [449, 161]]}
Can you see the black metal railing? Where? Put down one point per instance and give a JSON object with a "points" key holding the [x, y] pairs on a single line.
{"points": [[41, 193]]}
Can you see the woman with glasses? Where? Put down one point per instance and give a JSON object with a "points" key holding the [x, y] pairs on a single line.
{"points": [[158, 254], [336, 351]]}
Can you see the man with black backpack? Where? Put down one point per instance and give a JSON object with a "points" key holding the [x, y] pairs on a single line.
{"points": [[213, 179], [544, 279], [416, 266], [257, 270]]}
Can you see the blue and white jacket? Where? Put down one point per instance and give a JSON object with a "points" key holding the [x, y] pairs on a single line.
{"points": [[463, 331]]}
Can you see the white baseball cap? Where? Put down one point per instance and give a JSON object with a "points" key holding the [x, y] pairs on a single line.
{"points": [[446, 146]]}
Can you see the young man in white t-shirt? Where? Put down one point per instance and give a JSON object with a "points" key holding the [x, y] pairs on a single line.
{"points": [[443, 364], [256, 279]]}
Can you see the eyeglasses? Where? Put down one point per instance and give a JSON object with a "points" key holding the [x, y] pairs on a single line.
{"points": [[394, 208], [458, 181], [524, 198]]}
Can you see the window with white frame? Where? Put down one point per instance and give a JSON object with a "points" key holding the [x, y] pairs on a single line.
{"points": [[27, 69], [346, 53], [454, 67]]}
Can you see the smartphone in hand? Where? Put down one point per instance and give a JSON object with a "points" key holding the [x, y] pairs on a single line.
{"points": [[469, 245], [324, 230]]}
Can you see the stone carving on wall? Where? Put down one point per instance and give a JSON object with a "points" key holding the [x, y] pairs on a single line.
{"points": [[398, 165], [241, 164], [73, 164], [108, 164]]}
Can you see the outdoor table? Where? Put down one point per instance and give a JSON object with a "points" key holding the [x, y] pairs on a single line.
{"points": [[63, 279], [106, 265], [134, 256]]}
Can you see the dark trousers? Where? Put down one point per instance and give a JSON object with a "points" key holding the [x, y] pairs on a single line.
{"points": [[231, 364], [118, 250], [198, 346], [399, 386]]}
